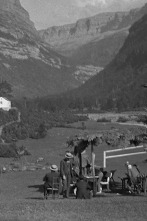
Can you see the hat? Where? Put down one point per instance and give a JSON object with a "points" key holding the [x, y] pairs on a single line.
{"points": [[81, 177], [127, 163], [68, 155], [53, 167]]}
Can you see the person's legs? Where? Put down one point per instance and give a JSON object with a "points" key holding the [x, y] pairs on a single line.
{"points": [[64, 182], [45, 190], [68, 185], [45, 186], [99, 188]]}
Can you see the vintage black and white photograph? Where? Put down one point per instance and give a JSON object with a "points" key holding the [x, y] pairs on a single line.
{"points": [[73, 110]]}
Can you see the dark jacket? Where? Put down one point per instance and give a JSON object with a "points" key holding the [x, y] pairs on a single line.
{"points": [[48, 178], [66, 168], [83, 190]]}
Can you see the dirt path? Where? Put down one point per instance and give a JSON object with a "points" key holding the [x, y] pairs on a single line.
{"points": [[134, 124]]}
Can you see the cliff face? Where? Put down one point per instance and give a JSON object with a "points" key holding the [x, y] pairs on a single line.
{"points": [[27, 63], [94, 40], [119, 85], [14, 18], [92, 26], [83, 28], [14, 6]]}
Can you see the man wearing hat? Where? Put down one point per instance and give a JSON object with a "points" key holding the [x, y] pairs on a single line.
{"points": [[66, 173], [48, 178], [83, 190]]}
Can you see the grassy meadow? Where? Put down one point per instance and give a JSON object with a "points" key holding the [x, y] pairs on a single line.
{"points": [[21, 192]]}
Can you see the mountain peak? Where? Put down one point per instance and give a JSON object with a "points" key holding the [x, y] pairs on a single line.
{"points": [[14, 7], [10, 5]]}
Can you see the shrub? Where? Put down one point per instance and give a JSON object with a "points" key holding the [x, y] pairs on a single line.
{"points": [[142, 118], [8, 150], [103, 120], [122, 119]]}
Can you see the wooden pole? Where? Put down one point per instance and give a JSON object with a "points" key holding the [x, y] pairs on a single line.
{"points": [[92, 159], [93, 170], [80, 164]]}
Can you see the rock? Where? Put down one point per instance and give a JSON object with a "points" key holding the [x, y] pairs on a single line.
{"points": [[14, 7]]}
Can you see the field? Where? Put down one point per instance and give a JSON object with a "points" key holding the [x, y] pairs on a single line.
{"points": [[21, 192]]}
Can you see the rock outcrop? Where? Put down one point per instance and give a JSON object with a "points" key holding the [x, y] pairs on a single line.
{"points": [[104, 33], [27, 63], [91, 27], [12, 12], [119, 84]]}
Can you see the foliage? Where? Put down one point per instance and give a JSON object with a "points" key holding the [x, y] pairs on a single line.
{"points": [[8, 150], [34, 121], [142, 118], [103, 120], [39, 133], [15, 131], [8, 116], [5, 89], [118, 86], [119, 138], [122, 119]]}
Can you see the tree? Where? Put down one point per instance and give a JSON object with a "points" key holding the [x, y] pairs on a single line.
{"points": [[5, 89]]}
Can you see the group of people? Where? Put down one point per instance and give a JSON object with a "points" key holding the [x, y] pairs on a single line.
{"points": [[68, 174]]}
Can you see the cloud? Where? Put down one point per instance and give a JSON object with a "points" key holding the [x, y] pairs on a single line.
{"points": [[83, 3]]}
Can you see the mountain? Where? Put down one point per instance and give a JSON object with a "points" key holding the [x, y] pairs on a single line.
{"points": [[94, 40], [119, 85], [61, 12], [27, 63]]}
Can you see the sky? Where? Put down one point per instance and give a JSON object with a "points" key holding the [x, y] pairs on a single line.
{"points": [[47, 13]]}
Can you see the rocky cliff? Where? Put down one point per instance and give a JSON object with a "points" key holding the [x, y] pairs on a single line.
{"points": [[119, 84], [26, 62], [84, 29], [94, 40], [14, 16]]}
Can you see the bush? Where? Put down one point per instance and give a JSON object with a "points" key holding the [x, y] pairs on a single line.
{"points": [[122, 119], [142, 119], [15, 131], [103, 120], [8, 150]]}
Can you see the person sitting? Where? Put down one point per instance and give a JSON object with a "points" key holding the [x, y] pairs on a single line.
{"points": [[49, 177], [105, 179], [83, 189], [99, 174], [133, 173]]}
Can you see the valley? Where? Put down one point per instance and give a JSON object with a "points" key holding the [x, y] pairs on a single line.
{"points": [[75, 80]]}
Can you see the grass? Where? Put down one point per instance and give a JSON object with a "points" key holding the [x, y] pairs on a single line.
{"points": [[21, 193]]}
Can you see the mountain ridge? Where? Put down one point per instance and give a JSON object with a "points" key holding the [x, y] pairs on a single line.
{"points": [[74, 40], [28, 63], [119, 84]]}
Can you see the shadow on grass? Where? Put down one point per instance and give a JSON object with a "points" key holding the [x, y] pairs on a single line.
{"points": [[117, 190], [35, 198], [38, 187]]}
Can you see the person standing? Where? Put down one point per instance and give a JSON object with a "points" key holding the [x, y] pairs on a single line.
{"points": [[66, 173]]}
